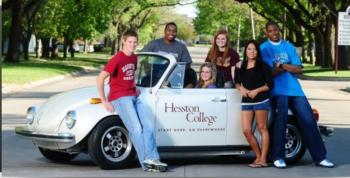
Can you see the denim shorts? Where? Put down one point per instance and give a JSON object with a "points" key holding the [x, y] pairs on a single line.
{"points": [[264, 105]]}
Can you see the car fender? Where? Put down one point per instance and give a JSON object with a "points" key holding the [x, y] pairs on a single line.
{"points": [[88, 116]]}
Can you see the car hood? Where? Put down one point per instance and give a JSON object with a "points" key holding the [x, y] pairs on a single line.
{"points": [[51, 113]]}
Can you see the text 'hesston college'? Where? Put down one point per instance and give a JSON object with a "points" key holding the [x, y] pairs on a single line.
{"points": [[193, 113]]}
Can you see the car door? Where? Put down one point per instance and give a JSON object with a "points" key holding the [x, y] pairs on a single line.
{"points": [[190, 117]]}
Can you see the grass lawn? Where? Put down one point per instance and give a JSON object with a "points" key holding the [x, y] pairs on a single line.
{"points": [[316, 71], [39, 69]]}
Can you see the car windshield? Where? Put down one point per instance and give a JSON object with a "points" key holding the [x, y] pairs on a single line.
{"points": [[150, 69], [176, 79]]}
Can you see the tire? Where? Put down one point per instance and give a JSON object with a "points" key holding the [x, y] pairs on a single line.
{"points": [[294, 146], [57, 156], [109, 144]]}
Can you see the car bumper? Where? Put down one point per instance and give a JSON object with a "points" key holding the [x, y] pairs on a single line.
{"points": [[44, 137], [325, 130]]}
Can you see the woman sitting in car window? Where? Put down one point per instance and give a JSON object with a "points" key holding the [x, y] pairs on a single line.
{"points": [[207, 76]]}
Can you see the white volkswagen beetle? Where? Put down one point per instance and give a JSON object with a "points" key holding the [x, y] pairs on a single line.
{"points": [[187, 120]]}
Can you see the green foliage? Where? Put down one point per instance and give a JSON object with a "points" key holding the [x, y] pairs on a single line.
{"points": [[146, 32], [73, 19], [162, 15], [185, 28], [226, 15], [50, 20], [137, 15]]}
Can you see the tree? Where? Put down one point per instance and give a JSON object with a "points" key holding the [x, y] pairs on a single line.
{"points": [[132, 14], [164, 15], [71, 20], [6, 25], [85, 18], [28, 14], [226, 15], [13, 52], [49, 25], [316, 16], [23, 12]]}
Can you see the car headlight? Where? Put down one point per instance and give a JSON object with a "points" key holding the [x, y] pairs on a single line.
{"points": [[70, 119], [31, 111]]}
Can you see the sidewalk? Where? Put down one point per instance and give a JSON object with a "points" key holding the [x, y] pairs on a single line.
{"points": [[344, 79]]}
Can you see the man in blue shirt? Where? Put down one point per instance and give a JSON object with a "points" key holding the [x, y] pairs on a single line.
{"points": [[287, 93]]}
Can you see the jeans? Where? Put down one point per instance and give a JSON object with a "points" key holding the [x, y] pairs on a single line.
{"points": [[265, 105], [308, 126], [139, 121]]}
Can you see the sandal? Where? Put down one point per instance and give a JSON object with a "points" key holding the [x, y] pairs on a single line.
{"points": [[263, 164], [255, 165]]}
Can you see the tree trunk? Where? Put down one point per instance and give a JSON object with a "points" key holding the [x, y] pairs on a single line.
{"points": [[85, 46], [328, 44], [2, 44], [303, 55], [310, 48], [38, 46], [14, 47], [65, 45], [25, 44], [300, 42], [106, 42], [299, 37], [319, 48], [113, 49], [54, 48], [46, 48], [119, 42], [71, 48]]}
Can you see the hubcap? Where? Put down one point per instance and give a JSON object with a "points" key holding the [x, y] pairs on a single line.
{"points": [[293, 141], [116, 144]]}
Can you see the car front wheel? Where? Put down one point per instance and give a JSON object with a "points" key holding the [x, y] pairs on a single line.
{"points": [[294, 146], [109, 144], [56, 156]]}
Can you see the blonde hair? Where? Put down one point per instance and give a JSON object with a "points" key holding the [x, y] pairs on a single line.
{"points": [[212, 79]]}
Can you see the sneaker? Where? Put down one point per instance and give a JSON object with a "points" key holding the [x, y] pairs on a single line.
{"points": [[280, 163], [154, 162], [325, 163], [150, 170]]}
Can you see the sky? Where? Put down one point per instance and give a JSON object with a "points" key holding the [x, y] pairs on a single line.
{"points": [[189, 10]]}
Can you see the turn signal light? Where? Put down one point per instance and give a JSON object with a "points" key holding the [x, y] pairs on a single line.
{"points": [[95, 101]]}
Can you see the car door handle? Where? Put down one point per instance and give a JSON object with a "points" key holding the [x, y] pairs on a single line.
{"points": [[218, 100]]}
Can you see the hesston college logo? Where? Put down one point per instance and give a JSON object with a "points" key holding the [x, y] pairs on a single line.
{"points": [[193, 113]]}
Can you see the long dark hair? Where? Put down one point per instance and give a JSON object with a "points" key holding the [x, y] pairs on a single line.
{"points": [[258, 60]]}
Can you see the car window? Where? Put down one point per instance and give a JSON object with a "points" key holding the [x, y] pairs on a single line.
{"points": [[150, 69], [176, 78]]}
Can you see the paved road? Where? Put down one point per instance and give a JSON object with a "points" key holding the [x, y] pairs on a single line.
{"points": [[22, 159]]}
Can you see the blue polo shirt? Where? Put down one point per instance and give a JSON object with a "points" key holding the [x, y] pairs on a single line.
{"points": [[286, 83]]}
